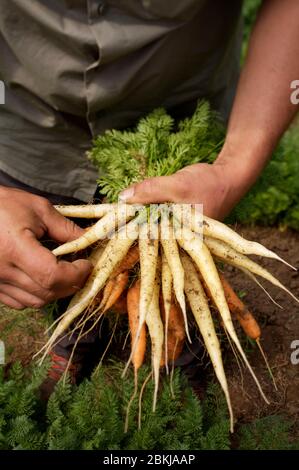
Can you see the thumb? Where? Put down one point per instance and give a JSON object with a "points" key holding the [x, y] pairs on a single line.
{"points": [[60, 228], [152, 190]]}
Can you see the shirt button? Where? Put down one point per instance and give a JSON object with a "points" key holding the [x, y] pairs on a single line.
{"points": [[101, 8]]}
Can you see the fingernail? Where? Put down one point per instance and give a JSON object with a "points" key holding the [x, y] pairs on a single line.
{"points": [[126, 194]]}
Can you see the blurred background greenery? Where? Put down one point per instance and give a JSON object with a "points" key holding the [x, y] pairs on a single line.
{"points": [[274, 199]]}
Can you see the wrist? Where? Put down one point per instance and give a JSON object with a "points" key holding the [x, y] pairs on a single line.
{"points": [[242, 161]]}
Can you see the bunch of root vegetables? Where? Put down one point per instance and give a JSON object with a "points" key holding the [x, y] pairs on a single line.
{"points": [[160, 267]]}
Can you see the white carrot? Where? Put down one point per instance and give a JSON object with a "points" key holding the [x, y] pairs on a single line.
{"points": [[155, 329], [97, 253], [148, 253], [148, 249], [214, 228], [225, 252], [219, 230], [171, 251], [254, 278], [102, 229], [94, 258], [202, 257], [86, 211], [114, 252], [201, 311], [166, 293]]}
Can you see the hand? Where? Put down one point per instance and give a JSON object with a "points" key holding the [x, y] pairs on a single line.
{"points": [[201, 183], [30, 275]]}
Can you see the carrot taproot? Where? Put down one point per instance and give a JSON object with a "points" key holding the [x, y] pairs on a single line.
{"points": [[166, 278], [103, 228], [218, 230], [139, 344], [133, 299], [240, 311], [170, 248], [199, 252], [120, 283], [86, 211], [129, 261], [155, 329], [108, 289], [246, 319], [120, 306], [174, 342], [118, 280], [114, 252], [202, 315], [148, 249], [228, 254]]}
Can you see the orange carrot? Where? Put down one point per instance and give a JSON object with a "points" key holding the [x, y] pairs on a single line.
{"points": [[133, 314], [176, 332], [119, 283], [133, 300], [108, 289], [116, 280], [240, 311], [128, 262], [245, 318], [120, 306], [237, 308]]}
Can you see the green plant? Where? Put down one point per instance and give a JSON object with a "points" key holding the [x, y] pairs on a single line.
{"points": [[250, 9], [155, 147], [274, 199], [92, 415], [268, 433], [159, 146]]}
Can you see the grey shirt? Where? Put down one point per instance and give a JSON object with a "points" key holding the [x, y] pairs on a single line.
{"points": [[73, 68]]}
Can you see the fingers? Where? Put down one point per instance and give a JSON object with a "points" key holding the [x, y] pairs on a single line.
{"points": [[21, 297], [23, 292], [30, 275], [200, 183], [58, 227], [54, 277], [155, 190], [10, 302], [18, 278]]}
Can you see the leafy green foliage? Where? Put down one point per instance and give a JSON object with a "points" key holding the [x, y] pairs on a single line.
{"points": [[274, 199], [92, 415], [250, 9], [156, 147], [268, 433], [160, 147], [19, 404]]}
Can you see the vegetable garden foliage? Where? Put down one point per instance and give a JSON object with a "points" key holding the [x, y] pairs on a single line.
{"points": [[274, 199], [92, 415], [159, 146], [250, 9]]}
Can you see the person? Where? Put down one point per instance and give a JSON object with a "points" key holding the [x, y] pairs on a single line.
{"points": [[73, 69]]}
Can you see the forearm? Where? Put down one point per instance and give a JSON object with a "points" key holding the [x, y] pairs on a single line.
{"points": [[262, 109]]}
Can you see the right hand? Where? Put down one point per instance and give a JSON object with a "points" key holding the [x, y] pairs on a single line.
{"points": [[30, 275]]}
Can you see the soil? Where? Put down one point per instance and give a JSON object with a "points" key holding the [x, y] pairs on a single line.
{"points": [[280, 327], [23, 333]]}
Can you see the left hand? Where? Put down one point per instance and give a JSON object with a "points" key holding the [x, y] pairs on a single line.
{"points": [[201, 183]]}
